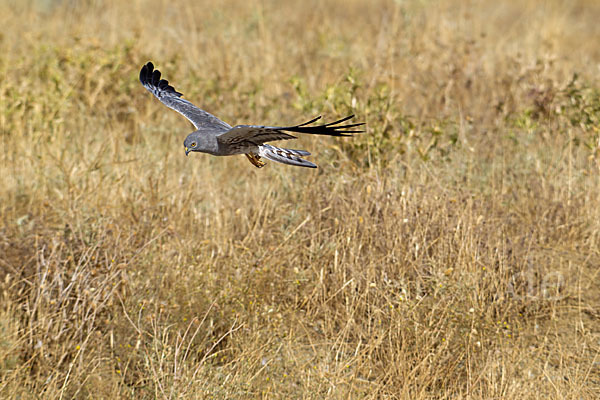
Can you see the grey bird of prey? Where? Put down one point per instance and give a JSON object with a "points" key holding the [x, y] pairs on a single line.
{"points": [[218, 138]]}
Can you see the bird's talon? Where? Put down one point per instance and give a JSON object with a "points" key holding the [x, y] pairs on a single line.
{"points": [[255, 160]]}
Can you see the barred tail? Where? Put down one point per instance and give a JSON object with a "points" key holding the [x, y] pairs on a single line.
{"points": [[285, 156]]}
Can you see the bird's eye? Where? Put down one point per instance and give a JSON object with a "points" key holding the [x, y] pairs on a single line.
{"points": [[193, 144]]}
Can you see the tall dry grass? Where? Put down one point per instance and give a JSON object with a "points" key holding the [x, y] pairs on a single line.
{"points": [[451, 251]]}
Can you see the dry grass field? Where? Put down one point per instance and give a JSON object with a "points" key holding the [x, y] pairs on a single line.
{"points": [[450, 252]]}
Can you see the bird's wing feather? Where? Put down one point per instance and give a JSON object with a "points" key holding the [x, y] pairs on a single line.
{"points": [[257, 135], [252, 135], [202, 120]]}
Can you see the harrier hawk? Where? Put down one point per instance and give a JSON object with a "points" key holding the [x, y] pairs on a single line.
{"points": [[218, 138]]}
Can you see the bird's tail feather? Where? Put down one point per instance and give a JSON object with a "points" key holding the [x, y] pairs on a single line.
{"points": [[285, 156]]}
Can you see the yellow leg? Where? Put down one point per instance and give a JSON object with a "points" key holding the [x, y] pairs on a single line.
{"points": [[255, 160]]}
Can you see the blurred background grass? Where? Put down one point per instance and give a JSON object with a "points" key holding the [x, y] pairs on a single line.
{"points": [[451, 251]]}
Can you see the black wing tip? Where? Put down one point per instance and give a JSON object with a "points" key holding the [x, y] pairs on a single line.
{"points": [[329, 129], [151, 77], [348, 126], [311, 121], [339, 121], [146, 72], [148, 66]]}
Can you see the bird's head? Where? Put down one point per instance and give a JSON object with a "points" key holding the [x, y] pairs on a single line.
{"points": [[191, 143]]}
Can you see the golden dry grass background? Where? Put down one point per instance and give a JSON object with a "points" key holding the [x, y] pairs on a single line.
{"points": [[451, 251]]}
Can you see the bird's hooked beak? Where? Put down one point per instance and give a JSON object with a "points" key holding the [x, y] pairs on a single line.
{"points": [[187, 151]]}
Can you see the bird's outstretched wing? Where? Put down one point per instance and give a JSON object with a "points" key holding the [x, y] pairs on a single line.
{"points": [[150, 78], [255, 135]]}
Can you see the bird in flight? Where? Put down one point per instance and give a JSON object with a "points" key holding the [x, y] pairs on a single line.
{"points": [[218, 138]]}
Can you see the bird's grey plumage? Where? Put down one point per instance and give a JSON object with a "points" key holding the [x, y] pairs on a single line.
{"points": [[218, 138], [171, 98], [244, 136]]}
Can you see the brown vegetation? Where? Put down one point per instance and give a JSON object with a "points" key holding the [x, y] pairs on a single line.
{"points": [[451, 251]]}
